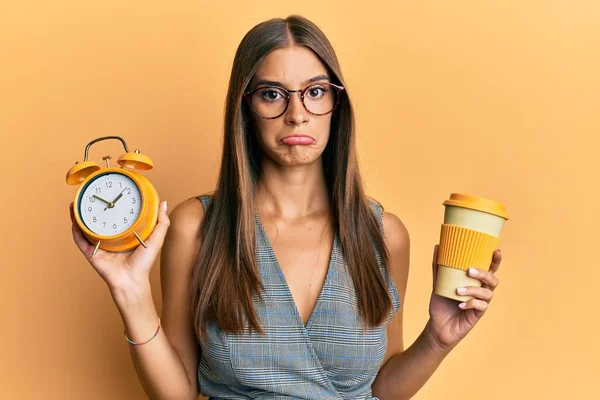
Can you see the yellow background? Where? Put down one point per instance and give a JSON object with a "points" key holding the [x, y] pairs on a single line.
{"points": [[493, 98]]}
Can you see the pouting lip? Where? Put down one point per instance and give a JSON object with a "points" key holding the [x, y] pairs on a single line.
{"points": [[297, 135]]}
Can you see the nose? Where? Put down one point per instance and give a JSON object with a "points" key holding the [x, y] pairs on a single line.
{"points": [[296, 113]]}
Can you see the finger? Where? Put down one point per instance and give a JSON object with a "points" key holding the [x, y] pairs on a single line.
{"points": [[481, 293], [160, 231], [475, 304], [487, 277], [156, 239], [496, 259], [434, 266], [81, 241]]}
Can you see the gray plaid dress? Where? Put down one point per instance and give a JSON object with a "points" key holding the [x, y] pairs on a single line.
{"points": [[332, 357]]}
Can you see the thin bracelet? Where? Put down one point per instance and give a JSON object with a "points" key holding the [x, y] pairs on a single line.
{"points": [[141, 343]]}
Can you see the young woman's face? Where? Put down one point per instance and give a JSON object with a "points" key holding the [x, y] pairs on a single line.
{"points": [[297, 137]]}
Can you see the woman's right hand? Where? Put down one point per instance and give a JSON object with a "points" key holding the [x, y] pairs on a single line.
{"points": [[127, 273]]}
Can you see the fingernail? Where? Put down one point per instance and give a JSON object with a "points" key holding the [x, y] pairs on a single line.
{"points": [[472, 271], [462, 305], [461, 290], [165, 205]]}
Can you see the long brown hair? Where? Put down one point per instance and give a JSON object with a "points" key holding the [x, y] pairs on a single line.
{"points": [[225, 277]]}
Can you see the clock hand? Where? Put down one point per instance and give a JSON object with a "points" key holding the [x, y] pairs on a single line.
{"points": [[112, 203], [117, 198], [101, 199]]}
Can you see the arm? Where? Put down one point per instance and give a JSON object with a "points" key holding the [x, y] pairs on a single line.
{"points": [[404, 372], [166, 366]]}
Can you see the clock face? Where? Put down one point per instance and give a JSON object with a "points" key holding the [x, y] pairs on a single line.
{"points": [[110, 204]]}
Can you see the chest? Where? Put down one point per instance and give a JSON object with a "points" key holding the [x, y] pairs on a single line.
{"points": [[331, 355], [314, 345], [302, 253]]}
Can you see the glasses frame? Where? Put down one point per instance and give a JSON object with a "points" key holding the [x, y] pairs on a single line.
{"points": [[248, 95]]}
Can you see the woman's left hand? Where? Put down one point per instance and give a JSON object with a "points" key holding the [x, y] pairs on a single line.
{"points": [[449, 322]]}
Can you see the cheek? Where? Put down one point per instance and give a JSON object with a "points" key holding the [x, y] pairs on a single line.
{"points": [[326, 124], [322, 129], [267, 130]]}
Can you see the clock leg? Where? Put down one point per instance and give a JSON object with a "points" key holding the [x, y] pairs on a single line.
{"points": [[96, 249], [140, 239]]}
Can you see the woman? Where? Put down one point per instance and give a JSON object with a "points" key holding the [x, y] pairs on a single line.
{"points": [[287, 281]]}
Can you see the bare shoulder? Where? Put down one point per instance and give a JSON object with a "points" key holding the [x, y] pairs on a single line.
{"points": [[186, 218], [396, 234], [182, 240], [397, 240]]}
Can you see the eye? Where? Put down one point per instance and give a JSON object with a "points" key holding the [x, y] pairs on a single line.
{"points": [[271, 94], [316, 92]]}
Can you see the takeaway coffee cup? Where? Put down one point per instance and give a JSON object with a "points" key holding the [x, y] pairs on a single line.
{"points": [[470, 235]]}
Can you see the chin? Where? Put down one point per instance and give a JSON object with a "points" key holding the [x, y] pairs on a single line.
{"points": [[298, 155]]}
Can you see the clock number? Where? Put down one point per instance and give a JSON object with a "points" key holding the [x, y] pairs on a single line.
{"points": [[90, 209], [120, 185], [92, 199], [128, 190], [125, 220], [133, 201], [98, 190], [114, 226], [131, 212], [104, 225], [95, 219], [109, 184]]}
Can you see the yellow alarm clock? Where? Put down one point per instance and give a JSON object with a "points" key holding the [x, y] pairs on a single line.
{"points": [[115, 207]]}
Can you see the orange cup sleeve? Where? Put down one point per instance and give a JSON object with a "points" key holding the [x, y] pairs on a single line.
{"points": [[462, 248]]}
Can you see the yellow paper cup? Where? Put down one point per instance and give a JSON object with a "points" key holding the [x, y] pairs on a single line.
{"points": [[470, 234]]}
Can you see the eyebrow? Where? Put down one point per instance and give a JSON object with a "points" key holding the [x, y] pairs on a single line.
{"points": [[275, 83]]}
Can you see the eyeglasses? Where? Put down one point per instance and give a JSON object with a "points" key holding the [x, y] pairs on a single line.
{"points": [[270, 102]]}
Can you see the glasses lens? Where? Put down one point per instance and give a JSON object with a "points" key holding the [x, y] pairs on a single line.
{"points": [[272, 101], [269, 102], [321, 98]]}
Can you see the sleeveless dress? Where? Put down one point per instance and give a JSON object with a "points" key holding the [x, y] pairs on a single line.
{"points": [[332, 357]]}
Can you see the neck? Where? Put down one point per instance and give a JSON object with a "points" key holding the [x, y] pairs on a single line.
{"points": [[292, 192]]}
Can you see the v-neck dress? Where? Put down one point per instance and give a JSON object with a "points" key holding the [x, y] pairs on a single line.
{"points": [[332, 357]]}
